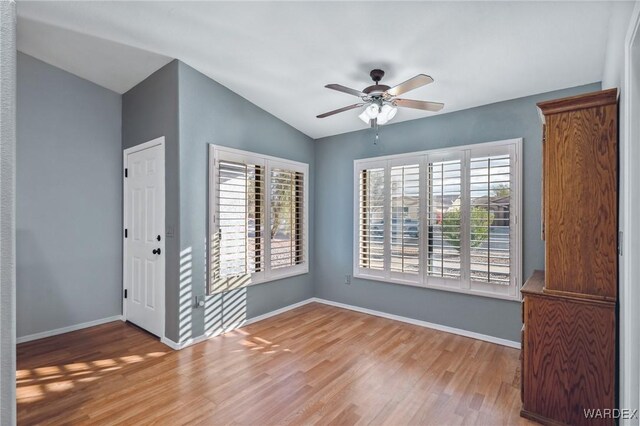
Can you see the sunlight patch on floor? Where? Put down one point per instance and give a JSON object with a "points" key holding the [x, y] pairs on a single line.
{"points": [[33, 384]]}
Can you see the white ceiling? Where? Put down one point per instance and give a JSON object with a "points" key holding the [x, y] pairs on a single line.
{"points": [[279, 55]]}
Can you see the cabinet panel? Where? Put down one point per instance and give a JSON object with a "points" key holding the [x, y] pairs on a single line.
{"points": [[580, 181], [569, 361]]}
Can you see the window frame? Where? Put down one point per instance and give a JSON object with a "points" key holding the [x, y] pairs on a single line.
{"points": [[218, 152], [423, 158]]}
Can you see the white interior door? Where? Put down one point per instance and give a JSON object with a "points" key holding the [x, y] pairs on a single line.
{"points": [[144, 273]]}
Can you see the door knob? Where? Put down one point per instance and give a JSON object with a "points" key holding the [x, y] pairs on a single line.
{"points": [[156, 251]]}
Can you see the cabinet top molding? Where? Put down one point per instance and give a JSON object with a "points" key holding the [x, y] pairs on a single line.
{"points": [[587, 100]]}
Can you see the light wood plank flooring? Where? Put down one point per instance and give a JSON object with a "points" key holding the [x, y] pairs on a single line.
{"points": [[313, 365]]}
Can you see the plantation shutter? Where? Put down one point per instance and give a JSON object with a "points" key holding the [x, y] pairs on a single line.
{"points": [[444, 218], [405, 218], [287, 218], [490, 181], [371, 222], [238, 243]]}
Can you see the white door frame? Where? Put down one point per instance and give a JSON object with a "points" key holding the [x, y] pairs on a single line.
{"points": [[629, 372], [155, 142]]}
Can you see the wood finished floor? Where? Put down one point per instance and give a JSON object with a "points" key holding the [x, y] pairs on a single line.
{"points": [[313, 365]]}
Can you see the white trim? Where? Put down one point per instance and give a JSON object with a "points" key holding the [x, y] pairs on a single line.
{"points": [[420, 323], [257, 156], [439, 327], [464, 284], [279, 311], [202, 338], [173, 345], [443, 286], [57, 331], [144, 145], [629, 372], [446, 150], [140, 147]]}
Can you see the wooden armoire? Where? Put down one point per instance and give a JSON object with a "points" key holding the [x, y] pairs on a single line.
{"points": [[569, 309]]}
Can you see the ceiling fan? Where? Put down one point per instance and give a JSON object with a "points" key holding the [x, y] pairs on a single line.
{"points": [[380, 100]]}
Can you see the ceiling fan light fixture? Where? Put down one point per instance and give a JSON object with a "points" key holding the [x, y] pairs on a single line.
{"points": [[364, 116], [372, 111], [387, 112]]}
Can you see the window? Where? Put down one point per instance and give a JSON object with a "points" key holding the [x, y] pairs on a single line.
{"points": [[405, 213], [286, 222], [371, 222], [444, 219], [257, 219]]}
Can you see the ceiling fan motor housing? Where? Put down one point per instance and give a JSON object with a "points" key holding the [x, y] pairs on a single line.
{"points": [[376, 75], [376, 89]]}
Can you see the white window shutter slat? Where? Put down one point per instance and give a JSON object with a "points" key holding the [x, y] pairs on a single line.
{"points": [[371, 223], [287, 218]]}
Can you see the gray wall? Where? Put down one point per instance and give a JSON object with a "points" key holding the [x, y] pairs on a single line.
{"points": [[150, 110], [334, 211], [211, 113], [191, 111], [68, 199], [70, 160]]}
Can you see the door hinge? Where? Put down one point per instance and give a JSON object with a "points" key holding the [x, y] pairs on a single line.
{"points": [[125, 293], [620, 241], [126, 172], [126, 233]]}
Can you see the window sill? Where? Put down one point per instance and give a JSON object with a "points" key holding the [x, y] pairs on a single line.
{"points": [[467, 291], [275, 276]]}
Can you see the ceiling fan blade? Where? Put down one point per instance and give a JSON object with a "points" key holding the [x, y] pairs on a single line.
{"points": [[339, 110], [424, 105], [344, 89], [413, 83]]}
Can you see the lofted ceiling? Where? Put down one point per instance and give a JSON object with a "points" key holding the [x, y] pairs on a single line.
{"points": [[279, 55]]}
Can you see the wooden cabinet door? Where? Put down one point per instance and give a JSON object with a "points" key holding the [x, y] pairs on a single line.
{"points": [[569, 359], [580, 178]]}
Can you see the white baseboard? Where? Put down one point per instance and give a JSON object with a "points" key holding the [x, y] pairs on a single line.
{"points": [[193, 341], [458, 331], [173, 345], [465, 333], [68, 329], [279, 311]]}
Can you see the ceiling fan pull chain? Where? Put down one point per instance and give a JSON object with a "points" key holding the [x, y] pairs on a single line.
{"points": [[374, 125]]}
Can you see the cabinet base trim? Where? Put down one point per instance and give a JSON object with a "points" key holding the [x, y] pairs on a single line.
{"points": [[540, 419]]}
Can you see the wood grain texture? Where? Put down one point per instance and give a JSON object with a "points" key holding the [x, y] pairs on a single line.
{"points": [[569, 358], [569, 343], [313, 365], [580, 200], [574, 103], [535, 285]]}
